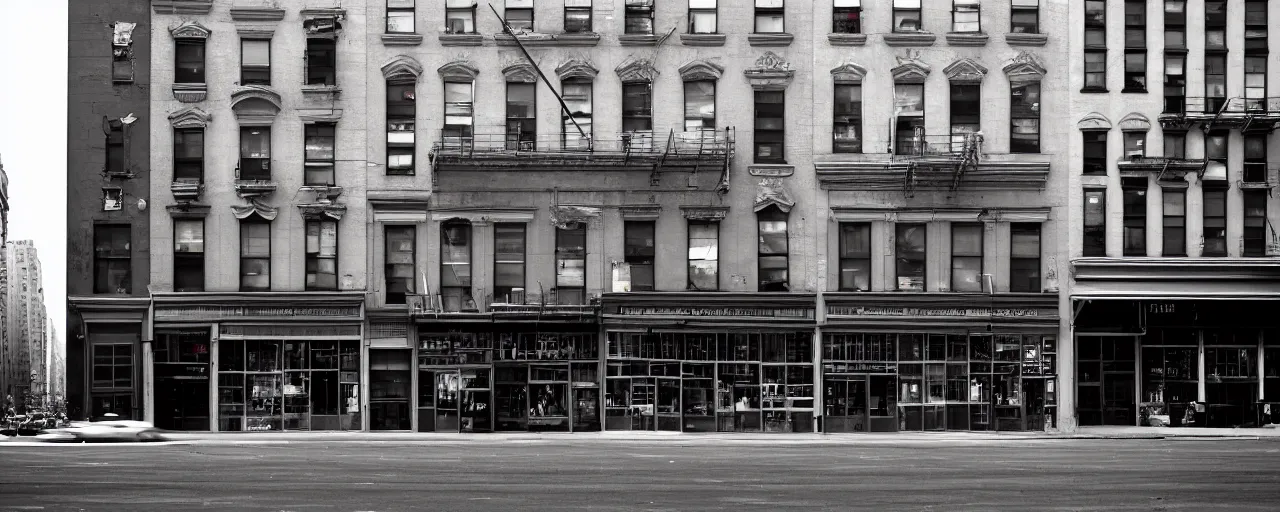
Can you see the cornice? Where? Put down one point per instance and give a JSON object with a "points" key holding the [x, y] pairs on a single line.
{"points": [[256, 14], [182, 6]]}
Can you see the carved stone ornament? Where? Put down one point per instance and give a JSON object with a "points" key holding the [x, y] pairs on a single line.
{"points": [[849, 73], [636, 70], [577, 68], [1094, 121], [1135, 122], [640, 211], [254, 207], [190, 117], [770, 73], [965, 70], [1025, 67], [190, 30], [458, 71], [255, 103], [701, 70], [771, 192], [402, 69], [705, 213], [910, 68], [565, 217], [322, 211], [520, 72]]}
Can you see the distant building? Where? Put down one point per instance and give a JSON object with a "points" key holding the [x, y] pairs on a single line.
{"points": [[8, 379], [25, 324]]}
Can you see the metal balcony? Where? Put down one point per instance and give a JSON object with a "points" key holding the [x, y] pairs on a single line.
{"points": [[1221, 113]]}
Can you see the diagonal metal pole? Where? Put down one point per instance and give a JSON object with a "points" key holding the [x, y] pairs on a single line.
{"points": [[507, 28]]}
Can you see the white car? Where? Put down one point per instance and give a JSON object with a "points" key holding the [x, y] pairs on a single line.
{"points": [[104, 431]]}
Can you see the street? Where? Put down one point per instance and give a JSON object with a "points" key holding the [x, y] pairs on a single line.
{"points": [[565, 475]]}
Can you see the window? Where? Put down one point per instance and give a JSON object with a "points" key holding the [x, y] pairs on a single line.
{"points": [[322, 61], [402, 112], [773, 256], [190, 65], [508, 262], [319, 154], [639, 17], [855, 257], [577, 16], [188, 255], [455, 266], [112, 199], [576, 131], [769, 17], [1095, 70], [1255, 223], [1255, 82], [522, 129], [906, 16], [1135, 216], [1215, 150], [122, 52], [188, 155], [1175, 83], [1215, 25], [1175, 144], [1095, 223], [1135, 46], [255, 153], [638, 246], [1175, 223], [112, 259], [399, 268], [911, 245], [704, 255], [1025, 17], [1024, 257], [1175, 24], [255, 255], [770, 130], [519, 15], [1255, 27], [1135, 144], [846, 129], [909, 132], [115, 148], [1215, 82], [458, 111], [1095, 41], [1255, 158], [966, 113], [400, 16], [699, 105], [1135, 71], [637, 107], [255, 62], [966, 257], [1024, 133], [847, 17], [571, 264], [1095, 153], [966, 16], [460, 16], [1215, 222], [702, 16], [113, 366], [322, 255]]}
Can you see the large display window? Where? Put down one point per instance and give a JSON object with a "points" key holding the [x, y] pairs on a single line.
{"points": [[268, 385], [182, 382]]}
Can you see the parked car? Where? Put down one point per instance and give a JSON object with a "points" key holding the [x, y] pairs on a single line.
{"points": [[104, 430]]}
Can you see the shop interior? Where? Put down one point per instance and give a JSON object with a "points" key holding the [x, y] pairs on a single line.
{"points": [[182, 379], [266, 385]]}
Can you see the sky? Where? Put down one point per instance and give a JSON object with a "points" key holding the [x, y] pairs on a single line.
{"points": [[33, 136]]}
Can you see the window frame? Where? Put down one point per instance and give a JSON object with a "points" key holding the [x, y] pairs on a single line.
{"points": [[1024, 113], [183, 165], [850, 260], [643, 116], [773, 214], [906, 10], [451, 11], [769, 11], [400, 148], [1016, 281], [500, 290], [321, 62], [117, 349], [1255, 162], [563, 254], [324, 166], [401, 231], [713, 12], [852, 12], [245, 226], [508, 10], [1135, 46], [957, 256], [244, 68], [188, 260], [779, 134], [959, 117], [638, 10], [462, 132], [1219, 221], [1094, 231], [411, 10], [464, 291], [519, 138], [566, 124], [116, 156], [105, 260], [576, 8], [631, 231], [312, 259], [701, 120], [1253, 239], [956, 12], [910, 120], [849, 119], [902, 257], [1093, 164], [1134, 217], [257, 174], [1175, 246], [197, 75], [689, 267], [1015, 9]]}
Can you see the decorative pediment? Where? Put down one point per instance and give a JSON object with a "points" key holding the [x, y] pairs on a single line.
{"points": [[190, 117], [910, 69], [520, 72], [565, 217], [1135, 122], [771, 192], [770, 72], [402, 68], [965, 70], [701, 70], [705, 213], [577, 68], [640, 211], [848, 72], [190, 30], [458, 71], [255, 102], [244, 211], [1094, 121], [636, 70], [322, 211], [1025, 67]]}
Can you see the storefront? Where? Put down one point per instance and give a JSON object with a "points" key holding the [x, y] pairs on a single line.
{"points": [[516, 368], [927, 362], [710, 362], [284, 361], [110, 334]]}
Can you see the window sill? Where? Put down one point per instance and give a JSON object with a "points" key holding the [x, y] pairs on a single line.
{"points": [[256, 14], [967, 38], [771, 170], [190, 93], [1094, 90], [780, 39], [1134, 91], [638, 40], [536, 40], [1176, 49], [403, 39], [461, 39], [702, 39], [186, 191], [318, 90], [910, 39], [1025, 39], [847, 39]]}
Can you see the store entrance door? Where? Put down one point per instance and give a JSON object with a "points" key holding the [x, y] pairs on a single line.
{"points": [[1105, 384], [182, 396]]}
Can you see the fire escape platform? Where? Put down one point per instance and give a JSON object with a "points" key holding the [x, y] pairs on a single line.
{"points": [[884, 173]]}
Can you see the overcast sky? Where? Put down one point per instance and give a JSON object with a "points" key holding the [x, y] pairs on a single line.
{"points": [[33, 136]]}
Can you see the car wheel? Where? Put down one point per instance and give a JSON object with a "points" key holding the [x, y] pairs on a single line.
{"points": [[148, 437]]}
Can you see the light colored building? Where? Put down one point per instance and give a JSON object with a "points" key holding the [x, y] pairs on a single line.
{"points": [[25, 323]]}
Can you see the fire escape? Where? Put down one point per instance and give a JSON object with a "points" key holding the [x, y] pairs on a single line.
{"points": [[938, 162]]}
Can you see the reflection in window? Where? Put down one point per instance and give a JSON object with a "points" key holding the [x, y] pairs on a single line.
{"points": [[508, 261], [909, 131], [910, 247], [1024, 257], [846, 18], [577, 16], [255, 153], [571, 264], [855, 257], [774, 248], [966, 257], [847, 128], [966, 16], [576, 131], [639, 17], [458, 104], [255, 255], [188, 255], [702, 17], [455, 266], [255, 62], [319, 165], [1025, 17], [699, 105], [704, 255], [402, 112], [322, 255], [111, 259], [400, 14], [638, 249], [519, 15]]}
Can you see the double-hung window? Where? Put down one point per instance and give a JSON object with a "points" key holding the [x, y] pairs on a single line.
{"points": [[1215, 55], [112, 258], [255, 153], [571, 264], [1175, 222], [639, 17], [773, 258], [1025, 17], [1255, 158], [402, 112], [699, 105], [855, 256], [1095, 45], [1135, 216], [1255, 55], [966, 257], [966, 112], [770, 15], [703, 16], [911, 244], [1024, 133], [458, 112], [576, 127], [1094, 159], [400, 14], [1135, 46], [1175, 144], [188, 155], [320, 140], [460, 16], [519, 15], [190, 67], [906, 16], [115, 147], [1215, 221], [704, 255], [637, 107], [1255, 223], [846, 18], [1216, 152], [255, 62], [846, 129], [909, 104], [522, 129], [322, 255], [188, 255], [577, 16], [770, 133], [638, 248], [1024, 257], [966, 16], [255, 255], [455, 266], [1095, 222], [322, 61], [508, 261], [400, 273]]}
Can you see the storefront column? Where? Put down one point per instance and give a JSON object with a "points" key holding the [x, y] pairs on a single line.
{"points": [[1262, 368], [1137, 381], [819, 394], [148, 383], [215, 419], [1200, 385], [366, 352]]}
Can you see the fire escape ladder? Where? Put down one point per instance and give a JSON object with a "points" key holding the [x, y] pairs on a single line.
{"points": [[657, 166], [523, 51], [910, 185], [723, 188], [1164, 169]]}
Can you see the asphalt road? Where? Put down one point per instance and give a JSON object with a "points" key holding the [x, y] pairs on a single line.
{"points": [[1078, 475]]}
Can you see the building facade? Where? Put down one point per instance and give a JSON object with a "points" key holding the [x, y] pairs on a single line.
{"points": [[25, 325], [108, 112], [1172, 198], [7, 369]]}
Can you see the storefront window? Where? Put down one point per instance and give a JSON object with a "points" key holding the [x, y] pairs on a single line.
{"points": [[293, 385], [389, 377]]}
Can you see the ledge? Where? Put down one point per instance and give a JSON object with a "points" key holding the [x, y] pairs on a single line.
{"points": [[847, 39], [190, 93], [773, 171], [637, 39], [578, 39], [544, 40], [182, 6], [1176, 269], [1022, 39], [186, 191], [885, 174], [256, 14], [910, 39], [702, 39], [770, 39], [317, 90], [413, 39], [967, 39], [187, 210], [461, 39]]}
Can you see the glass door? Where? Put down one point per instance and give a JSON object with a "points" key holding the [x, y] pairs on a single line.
{"points": [[390, 376], [476, 415], [882, 403], [511, 398], [699, 397], [643, 396], [426, 401], [586, 397], [845, 402], [447, 396]]}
